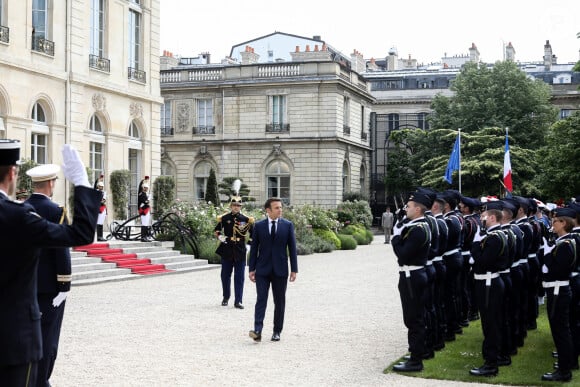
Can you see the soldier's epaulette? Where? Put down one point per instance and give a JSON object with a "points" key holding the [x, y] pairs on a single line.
{"points": [[219, 217], [251, 220]]}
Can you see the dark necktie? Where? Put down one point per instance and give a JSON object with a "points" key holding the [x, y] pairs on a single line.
{"points": [[273, 231]]}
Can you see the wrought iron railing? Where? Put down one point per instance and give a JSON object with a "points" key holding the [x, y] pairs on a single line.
{"points": [[99, 63], [277, 127], [166, 131], [4, 34], [203, 130], [43, 45], [137, 75]]}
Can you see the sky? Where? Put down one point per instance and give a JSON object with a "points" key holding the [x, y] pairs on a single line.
{"points": [[424, 29]]}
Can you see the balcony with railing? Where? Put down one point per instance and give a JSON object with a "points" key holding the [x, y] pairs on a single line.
{"points": [[99, 63], [4, 34], [137, 75], [277, 128], [203, 130], [42, 45], [166, 131]]}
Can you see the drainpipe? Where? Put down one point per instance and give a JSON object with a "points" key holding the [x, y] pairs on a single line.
{"points": [[67, 98]]}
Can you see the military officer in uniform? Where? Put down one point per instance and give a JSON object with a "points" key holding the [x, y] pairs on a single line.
{"points": [[411, 243], [100, 185], [54, 269], [22, 233], [232, 229], [144, 210]]}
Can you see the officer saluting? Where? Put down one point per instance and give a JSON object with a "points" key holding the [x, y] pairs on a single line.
{"points": [[22, 233], [231, 230]]}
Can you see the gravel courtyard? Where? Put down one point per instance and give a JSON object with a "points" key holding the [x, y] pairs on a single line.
{"points": [[343, 326]]}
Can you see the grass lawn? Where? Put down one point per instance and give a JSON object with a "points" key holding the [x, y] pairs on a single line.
{"points": [[459, 356]]}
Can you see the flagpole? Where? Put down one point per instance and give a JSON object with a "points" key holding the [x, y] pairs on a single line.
{"points": [[459, 137]]}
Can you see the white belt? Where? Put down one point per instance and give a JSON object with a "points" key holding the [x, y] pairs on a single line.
{"points": [[506, 271], [556, 285], [409, 269], [429, 263], [487, 277], [573, 274], [532, 255], [466, 252], [522, 261], [437, 259], [516, 264], [450, 252]]}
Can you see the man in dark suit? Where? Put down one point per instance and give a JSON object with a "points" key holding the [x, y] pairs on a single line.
{"points": [[22, 233], [54, 269], [273, 242]]}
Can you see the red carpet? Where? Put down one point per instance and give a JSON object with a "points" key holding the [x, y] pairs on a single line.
{"points": [[141, 266]]}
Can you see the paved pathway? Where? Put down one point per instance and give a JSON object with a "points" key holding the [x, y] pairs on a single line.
{"points": [[343, 326]]}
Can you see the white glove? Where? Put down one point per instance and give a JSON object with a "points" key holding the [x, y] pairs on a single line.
{"points": [[546, 247], [545, 269], [471, 260], [59, 299], [477, 237], [73, 168], [222, 238], [398, 229]]}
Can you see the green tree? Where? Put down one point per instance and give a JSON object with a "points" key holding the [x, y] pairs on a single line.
{"points": [[24, 182], [225, 188], [163, 195], [499, 96], [119, 182], [211, 192], [559, 176]]}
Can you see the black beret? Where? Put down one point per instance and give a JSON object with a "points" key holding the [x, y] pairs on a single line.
{"points": [[564, 211], [470, 202], [493, 205], [421, 197], [9, 152], [508, 205], [524, 203], [513, 203], [575, 206]]}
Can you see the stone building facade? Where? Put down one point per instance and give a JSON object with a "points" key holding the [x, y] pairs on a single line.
{"points": [[83, 72]]}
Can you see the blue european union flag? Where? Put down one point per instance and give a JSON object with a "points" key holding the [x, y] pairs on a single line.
{"points": [[453, 163]]}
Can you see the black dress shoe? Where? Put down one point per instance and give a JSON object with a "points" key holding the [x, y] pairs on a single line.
{"points": [[557, 376], [484, 370], [425, 356], [473, 316], [458, 331], [276, 336], [238, 305], [224, 302], [450, 337], [439, 346], [257, 336], [409, 366], [573, 367], [555, 354], [464, 324], [504, 361]]}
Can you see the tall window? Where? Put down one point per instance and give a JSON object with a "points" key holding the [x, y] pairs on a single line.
{"points": [[201, 175], [95, 124], [40, 19], [38, 114], [98, 28], [38, 148], [345, 177], [204, 113], [166, 115], [278, 178], [346, 112], [134, 130], [278, 111], [96, 159], [135, 39], [422, 121], [362, 178], [393, 122]]}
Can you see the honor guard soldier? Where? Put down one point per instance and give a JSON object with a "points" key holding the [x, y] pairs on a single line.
{"points": [[411, 243], [144, 210], [22, 233], [100, 185], [490, 256], [232, 229], [54, 268], [559, 261]]}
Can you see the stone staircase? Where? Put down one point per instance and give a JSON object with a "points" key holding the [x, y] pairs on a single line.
{"points": [[87, 270]]}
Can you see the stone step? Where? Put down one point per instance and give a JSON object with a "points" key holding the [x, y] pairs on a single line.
{"points": [[94, 266], [98, 273], [84, 260]]}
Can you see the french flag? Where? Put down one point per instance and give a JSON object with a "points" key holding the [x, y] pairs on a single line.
{"points": [[507, 166]]}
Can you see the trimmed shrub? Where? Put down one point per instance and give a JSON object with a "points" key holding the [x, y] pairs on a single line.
{"points": [[313, 243], [347, 242], [119, 182], [357, 211], [328, 236], [370, 236], [303, 249], [207, 248], [360, 238], [163, 195]]}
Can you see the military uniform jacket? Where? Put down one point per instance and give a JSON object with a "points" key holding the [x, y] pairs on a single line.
{"points": [[561, 261], [234, 227], [143, 202], [491, 254], [22, 233], [443, 232], [454, 227], [54, 266], [412, 246]]}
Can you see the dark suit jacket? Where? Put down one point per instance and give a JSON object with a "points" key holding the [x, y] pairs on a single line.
{"points": [[56, 261], [22, 233], [269, 256]]}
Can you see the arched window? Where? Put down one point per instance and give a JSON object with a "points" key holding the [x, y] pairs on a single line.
{"points": [[345, 177], [134, 130], [38, 114], [200, 178], [278, 178], [95, 124], [39, 135], [362, 178]]}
